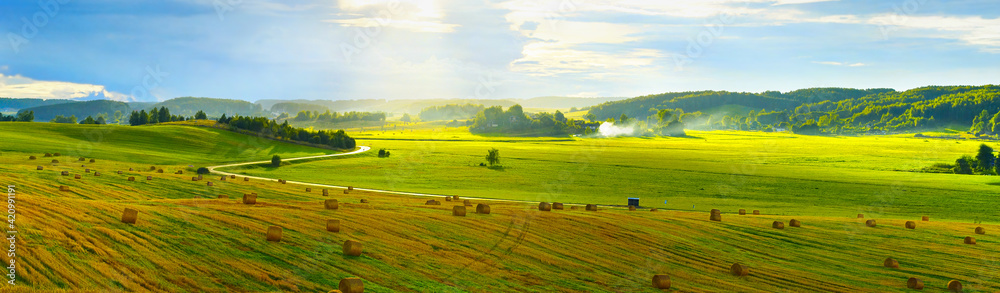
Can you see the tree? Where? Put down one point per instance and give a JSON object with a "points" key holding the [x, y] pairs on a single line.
{"points": [[493, 156], [203, 170], [101, 120], [27, 116], [200, 115], [590, 117], [276, 161], [406, 118], [986, 159], [559, 116], [963, 165], [164, 115]]}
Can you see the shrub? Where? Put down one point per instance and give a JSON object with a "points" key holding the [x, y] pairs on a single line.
{"points": [[276, 161], [202, 170]]}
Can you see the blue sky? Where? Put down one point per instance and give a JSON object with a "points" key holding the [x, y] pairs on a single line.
{"points": [[489, 49]]}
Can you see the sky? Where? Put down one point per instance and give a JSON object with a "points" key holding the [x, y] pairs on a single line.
{"points": [[486, 49]]}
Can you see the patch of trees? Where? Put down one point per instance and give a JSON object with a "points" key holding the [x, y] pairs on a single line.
{"points": [[188, 106], [27, 116], [983, 163], [334, 117], [155, 116], [450, 112], [63, 119], [515, 121], [293, 107], [270, 128]]}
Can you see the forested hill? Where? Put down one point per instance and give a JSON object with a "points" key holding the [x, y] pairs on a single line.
{"points": [[9, 104], [78, 109], [188, 106]]}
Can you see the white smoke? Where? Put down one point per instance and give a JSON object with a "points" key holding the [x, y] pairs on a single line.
{"points": [[609, 129]]}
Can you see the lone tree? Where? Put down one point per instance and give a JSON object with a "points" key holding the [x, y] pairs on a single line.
{"points": [[493, 157], [202, 170], [986, 159], [276, 161]]}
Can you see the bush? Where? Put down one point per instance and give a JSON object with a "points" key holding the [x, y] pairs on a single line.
{"points": [[276, 161], [493, 157], [382, 153], [202, 170]]}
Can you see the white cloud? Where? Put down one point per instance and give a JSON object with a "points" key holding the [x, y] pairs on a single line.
{"points": [[414, 15], [17, 86], [972, 30], [834, 63]]}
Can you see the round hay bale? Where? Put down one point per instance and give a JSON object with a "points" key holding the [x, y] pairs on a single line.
{"points": [[557, 206], [283, 181], [152, 168], [130, 178], [591, 207], [482, 208], [661, 281], [458, 211], [756, 212], [631, 208], [970, 240], [447, 198], [914, 283], [274, 233], [715, 217], [331, 204], [130, 216], [351, 188], [199, 177], [222, 196], [130, 169], [159, 171], [55, 161], [97, 173], [179, 172], [325, 191], [250, 198], [119, 172], [890, 263], [954, 286], [364, 200], [716, 212], [64, 173], [222, 178], [63, 188], [194, 178], [432, 202], [40, 168], [309, 189], [77, 176], [778, 225], [652, 209], [346, 191], [149, 177], [246, 179], [794, 223], [544, 206], [352, 248], [456, 198], [980, 230], [86, 170], [210, 183], [911, 225], [82, 159], [32, 158], [926, 218], [739, 270], [333, 225], [351, 285], [870, 223], [232, 176], [48, 155], [467, 203], [861, 216], [93, 161]]}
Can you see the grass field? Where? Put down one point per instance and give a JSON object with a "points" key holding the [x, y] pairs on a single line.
{"points": [[188, 240]]}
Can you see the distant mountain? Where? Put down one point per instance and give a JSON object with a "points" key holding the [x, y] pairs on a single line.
{"points": [[12, 105], [293, 107], [79, 109], [188, 106]]}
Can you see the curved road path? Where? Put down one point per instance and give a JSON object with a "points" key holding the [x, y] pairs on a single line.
{"points": [[360, 149]]}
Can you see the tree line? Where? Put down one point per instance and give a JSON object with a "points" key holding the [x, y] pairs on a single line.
{"points": [[19, 117], [515, 121], [450, 112], [270, 128], [160, 115], [334, 117]]}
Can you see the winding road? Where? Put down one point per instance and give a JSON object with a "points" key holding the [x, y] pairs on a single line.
{"points": [[361, 149]]}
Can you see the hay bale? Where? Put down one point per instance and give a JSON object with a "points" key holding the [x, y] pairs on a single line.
{"points": [[32, 158], [222, 178], [77, 176], [250, 198], [661, 281], [274, 233], [63, 188], [246, 178], [778, 225], [980, 230], [352, 248], [870, 223], [82, 159], [48, 155], [911, 225], [130, 169], [223, 196], [130, 216], [467, 203], [432, 202], [232, 176], [652, 209], [151, 168], [325, 191], [194, 178], [631, 208], [93, 161], [159, 171], [890, 263], [200, 178], [284, 182], [456, 198], [970, 240], [351, 188], [97, 173], [794, 223], [482, 208], [309, 189], [739, 270], [756, 212], [130, 178], [926, 219], [331, 204], [86, 170], [861, 216], [333, 225], [364, 200], [64, 173], [119, 172], [55, 161], [40, 168], [914, 283], [557, 206], [346, 191], [458, 211], [954, 286], [591, 207], [149, 177], [210, 183], [179, 172], [351, 285], [447, 198], [716, 212], [715, 217], [544, 206]]}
